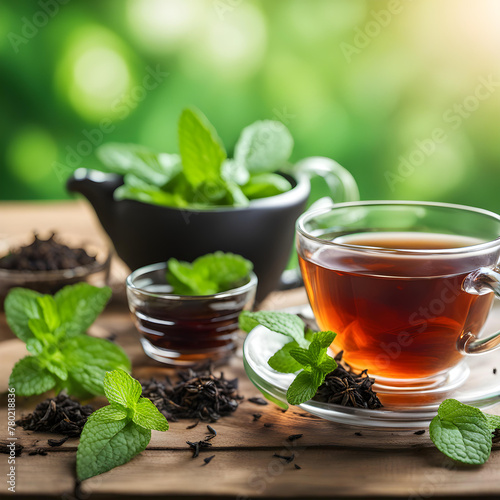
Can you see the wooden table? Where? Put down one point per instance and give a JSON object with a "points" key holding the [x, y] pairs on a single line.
{"points": [[335, 461]]}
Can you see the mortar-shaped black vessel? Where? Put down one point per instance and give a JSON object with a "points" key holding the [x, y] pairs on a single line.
{"points": [[262, 232]]}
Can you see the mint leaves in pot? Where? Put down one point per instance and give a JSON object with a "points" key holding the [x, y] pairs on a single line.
{"points": [[53, 328], [209, 274], [116, 433], [201, 176]]}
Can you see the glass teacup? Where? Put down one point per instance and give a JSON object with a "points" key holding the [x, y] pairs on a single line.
{"points": [[405, 285]]}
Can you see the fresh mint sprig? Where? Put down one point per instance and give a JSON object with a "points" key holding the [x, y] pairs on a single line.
{"points": [[201, 176], [61, 355], [116, 433], [208, 274], [305, 352], [462, 432]]}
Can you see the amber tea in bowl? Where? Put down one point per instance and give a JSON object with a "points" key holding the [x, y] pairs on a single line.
{"points": [[405, 285], [182, 330]]}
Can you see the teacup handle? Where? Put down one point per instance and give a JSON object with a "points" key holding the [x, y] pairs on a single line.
{"points": [[342, 187], [480, 282], [341, 183]]}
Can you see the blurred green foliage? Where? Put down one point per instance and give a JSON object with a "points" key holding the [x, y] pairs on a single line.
{"points": [[403, 94]]}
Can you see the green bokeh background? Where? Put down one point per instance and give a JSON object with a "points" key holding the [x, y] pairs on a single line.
{"points": [[363, 82]]}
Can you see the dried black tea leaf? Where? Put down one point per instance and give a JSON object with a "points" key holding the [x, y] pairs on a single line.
{"points": [[57, 442], [197, 446], [258, 401], [45, 255], [208, 459], [347, 388], [286, 459], [59, 415], [294, 437], [6, 447], [198, 394]]}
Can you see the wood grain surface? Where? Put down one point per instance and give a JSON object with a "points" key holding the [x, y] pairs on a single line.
{"points": [[336, 461]]}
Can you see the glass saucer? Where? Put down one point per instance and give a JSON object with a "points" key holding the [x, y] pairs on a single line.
{"points": [[473, 383]]}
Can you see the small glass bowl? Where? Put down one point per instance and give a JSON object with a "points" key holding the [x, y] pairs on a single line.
{"points": [[96, 273], [183, 330]]}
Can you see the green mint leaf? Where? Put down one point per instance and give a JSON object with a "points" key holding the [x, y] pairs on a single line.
{"points": [[279, 322], [88, 359], [315, 353], [324, 339], [493, 421], [235, 195], [34, 346], [40, 330], [327, 366], [283, 362], [264, 146], [209, 274], [79, 305], [136, 189], [107, 444], [461, 432], [20, 306], [112, 413], [224, 269], [28, 377], [302, 356], [116, 433], [302, 389], [233, 171], [186, 281], [56, 367], [131, 159], [148, 416], [265, 185], [121, 388], [202, 152], [50, 314]]}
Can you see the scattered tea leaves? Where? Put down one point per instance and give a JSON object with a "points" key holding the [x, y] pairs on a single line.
{"points": [[297, 466], [211, 430], [45, 255], [208, 459], [8, 447], [258, 401], [57, 442], [59, 415], [198, 394], [294, 437], [286, 459], [197, 446], [347, 388], [38, 451], [420, 432], [267, 424], [256, 416]]}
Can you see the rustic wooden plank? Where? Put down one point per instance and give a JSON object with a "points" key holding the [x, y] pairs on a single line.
{"points": [[53, 474], [335, 461], [327, 473]]}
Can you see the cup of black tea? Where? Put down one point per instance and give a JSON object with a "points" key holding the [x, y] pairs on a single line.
{"points": [[407, 286], [183, 330]]}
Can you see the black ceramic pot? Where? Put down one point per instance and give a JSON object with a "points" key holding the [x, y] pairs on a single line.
{"points": [[144, 234]]}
